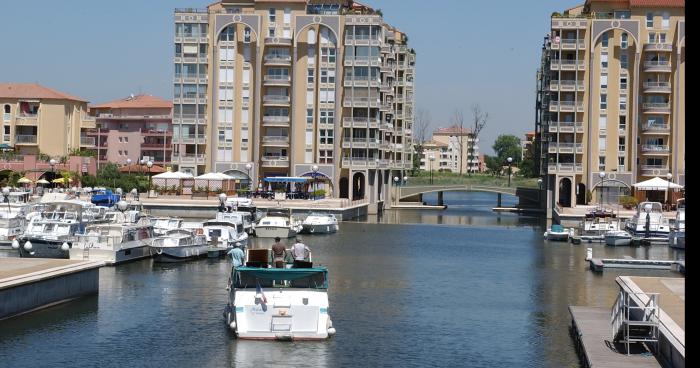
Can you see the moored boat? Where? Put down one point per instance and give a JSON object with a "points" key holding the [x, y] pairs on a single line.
{"points": [[277, 222], [114, 243], [649, 221], [558, 233], [179, 245], [618, 238], [677, 235], [320, 223]]}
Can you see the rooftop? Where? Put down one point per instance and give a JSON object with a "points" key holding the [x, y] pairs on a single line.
{"points": [[33, 90], [644, 3], [135, 102], [454, 129]]}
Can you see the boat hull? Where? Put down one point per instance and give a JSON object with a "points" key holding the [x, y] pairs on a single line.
{"points": [[319, 228], [677, 239], [273, 232], [111, 257], [178, 254], [557, 236], [44, 249], [617, 241]]}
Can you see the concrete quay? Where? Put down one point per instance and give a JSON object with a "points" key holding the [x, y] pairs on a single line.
{"points": [[28, 284]]}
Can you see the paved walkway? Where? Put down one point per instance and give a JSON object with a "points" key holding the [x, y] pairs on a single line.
{"points": [[335, 203]]}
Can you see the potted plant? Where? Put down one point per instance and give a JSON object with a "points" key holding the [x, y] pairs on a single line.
{"points": [[628, 202]]}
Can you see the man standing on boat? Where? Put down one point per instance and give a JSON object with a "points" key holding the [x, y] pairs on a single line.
{"points": [[300, 252], [278, 251], [237, 255]]}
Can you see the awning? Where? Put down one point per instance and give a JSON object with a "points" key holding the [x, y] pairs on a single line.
{"points": [[656, 184], [286, 179]]}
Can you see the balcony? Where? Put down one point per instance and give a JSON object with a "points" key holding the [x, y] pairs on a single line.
{"points": [[362, 61], [358, 162], [190, 139], [360, 122], [278, 41], [656, 128], [565, 127], [27, 119], [275, 161], [653, 149], [657, 46], [569, 44], [188, 157], [284, 60], [553, 168], [563, 64], [25, 139], [87, 142], [566, 85], [87, 121], [275, 141], [566, 22], [657, 87], [357, 101], [277, 80], [280, 121], [272, 100], [565, 147], [191, 78], [656, 107], [362, 40], [654, 170], [565, 106], [657, 66]]}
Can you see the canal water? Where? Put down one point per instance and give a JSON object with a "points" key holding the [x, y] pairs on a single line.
{"points": [[460, 287]]}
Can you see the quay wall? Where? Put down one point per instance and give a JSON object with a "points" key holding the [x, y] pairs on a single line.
{"points": [[198, 211]]}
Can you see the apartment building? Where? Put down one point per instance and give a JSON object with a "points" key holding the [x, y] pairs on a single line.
{"points": [[527, 146], [611, 92], [37, 119], [133, 128], [283, 87], [447, 146]]}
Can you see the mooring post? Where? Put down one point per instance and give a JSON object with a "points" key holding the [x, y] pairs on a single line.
{"points": [[440, 201], [499, 200]]}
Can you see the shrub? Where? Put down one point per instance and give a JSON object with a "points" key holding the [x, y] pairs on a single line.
{"points": [[628, 202], [589, 196]]}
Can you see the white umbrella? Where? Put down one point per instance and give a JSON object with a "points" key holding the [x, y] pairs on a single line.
{"points": [[656, 184]]}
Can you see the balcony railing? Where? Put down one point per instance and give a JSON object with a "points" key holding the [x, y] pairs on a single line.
{"points": [[278, 59], [270, 79], [276, 99], [275, 161], [564, 167], [188, 157], [657, 65], [275, 119], [657, 106], [660, 148], [656, 127], [275, 139], [25, 138], [658, 46], [278, 41], [190, 138], [87, 141], [657, 86]]}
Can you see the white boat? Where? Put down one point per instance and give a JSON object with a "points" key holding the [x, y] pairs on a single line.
{"points": [[223, 232], [238, 216], [277, 222], [659, 226], [677, 235], [618, 237], [113, 243], [279, 304], [320, 223], [179, 245], [13, 218], [52, 233], [162, 225], [558, 233]]}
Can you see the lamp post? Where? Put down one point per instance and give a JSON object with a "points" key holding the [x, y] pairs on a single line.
{"points": [[602, 180], [405, 180], [149, 164], [222, 202], [314, 170], [249, 166], [52, 162], [141, 162], [128, 164], [396, 189], [669, 176], [432, 158], [510, 161]]}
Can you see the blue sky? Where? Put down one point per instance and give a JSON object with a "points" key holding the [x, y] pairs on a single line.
{"points": [[468, 51]]}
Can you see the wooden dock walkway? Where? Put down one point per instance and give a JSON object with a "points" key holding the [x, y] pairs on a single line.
{"points": [[592, 333]]}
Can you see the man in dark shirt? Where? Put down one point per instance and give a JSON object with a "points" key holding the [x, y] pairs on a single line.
{"points": [[278, 251]]}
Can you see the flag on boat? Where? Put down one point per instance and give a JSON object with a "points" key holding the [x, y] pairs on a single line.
{"points": [[259, 292]]}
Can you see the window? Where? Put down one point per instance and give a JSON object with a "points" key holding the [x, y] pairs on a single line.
{"points": [[246, 35], [604, 39], [623, 123], [310, 76], [603, 101], [326, 136], [662, 38], [287, 16], [601, 162], [621, 163], [622, 14], [603, 122], [665, 20], [328, 55], [650, 20], [624, 61], [327, 116], [271, 32], [271, 15], [228, 34], [621, 144], [309, 116], [604, 60], [623, 41], [623, 103], [652, 37], [311, 59], [325, 156], [623, 83], [604, 81]]}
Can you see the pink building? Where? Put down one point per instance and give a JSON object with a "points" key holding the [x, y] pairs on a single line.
{"points": [[36, 169], [133, 128]]}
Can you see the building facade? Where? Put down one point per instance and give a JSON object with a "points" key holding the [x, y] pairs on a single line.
{"points": [[38, 119], [133, 128], [447, 146], [278, 87], [611, 94]]}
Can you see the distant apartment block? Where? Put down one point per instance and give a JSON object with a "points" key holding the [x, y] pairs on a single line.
{"points": [[282, 86], [447, 146], [526, 146], [611, 92], [133, 128]]}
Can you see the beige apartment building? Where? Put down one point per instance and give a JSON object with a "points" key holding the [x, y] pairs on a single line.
{"points": [[38, 119], [611, 98], [280, 87], [447, 146], [138, 127]]}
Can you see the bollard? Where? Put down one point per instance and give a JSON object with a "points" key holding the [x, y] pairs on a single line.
{"points": [[589, 254]]}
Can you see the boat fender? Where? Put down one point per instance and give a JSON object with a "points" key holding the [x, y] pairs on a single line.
{"points": [[331, 331], [15, 244], [232, 325], [28, 245], [159, 250], [312, 230], [65, 247], [545, 235]]}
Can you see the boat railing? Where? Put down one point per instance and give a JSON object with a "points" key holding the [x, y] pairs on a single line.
{"points": [[99, 241]]}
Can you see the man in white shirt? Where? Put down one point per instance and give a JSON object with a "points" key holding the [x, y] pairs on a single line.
{"points": [[300, 251]]}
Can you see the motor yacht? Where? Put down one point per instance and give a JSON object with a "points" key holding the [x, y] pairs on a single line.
{"points": [[649, 221], [52, 233], [179, 245], [114, 243], [162, 225], [558, 233], [320, 223], [223, 232], [278, 222], [617, 238], [677, 235]]}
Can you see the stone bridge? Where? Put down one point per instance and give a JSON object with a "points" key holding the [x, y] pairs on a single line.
{"points": [[527, 197]]}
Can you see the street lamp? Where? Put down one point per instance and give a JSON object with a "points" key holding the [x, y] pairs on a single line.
{"points": [[405, 180], [669, 176], [249, 166], [149, 164], [128, 164], [222, 202], [510, 161], [314, 170], [396, 189], [52, 162], [602, 180], [539, 183], [647, 209], [432, 158]]}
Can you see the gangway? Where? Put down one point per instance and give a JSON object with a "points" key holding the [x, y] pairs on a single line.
{"points": [[633, 323]]}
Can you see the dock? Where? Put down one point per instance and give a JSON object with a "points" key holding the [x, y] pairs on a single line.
{"points": [[598, 264], [592, 335], [28, 284]]}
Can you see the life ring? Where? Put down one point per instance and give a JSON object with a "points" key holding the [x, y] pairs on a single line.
{"points": [[159, 250], [312, 230]]}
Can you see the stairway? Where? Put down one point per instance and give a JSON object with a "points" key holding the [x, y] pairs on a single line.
{"points": [[635, 323]]}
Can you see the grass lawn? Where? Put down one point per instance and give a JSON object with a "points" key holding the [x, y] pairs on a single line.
{"points": [[423, 178]]}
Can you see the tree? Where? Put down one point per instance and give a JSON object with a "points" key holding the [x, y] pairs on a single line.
{"points": [[458, 121], [507, 145], [420, 124], [527, 168], [492, 165], [479, 120]]}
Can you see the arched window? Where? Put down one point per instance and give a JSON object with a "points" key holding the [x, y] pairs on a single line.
{"points": [[228, 34], [7, 109], [623, 41]]}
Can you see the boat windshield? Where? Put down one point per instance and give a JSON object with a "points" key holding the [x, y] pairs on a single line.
{"points": [[250, 277]]}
